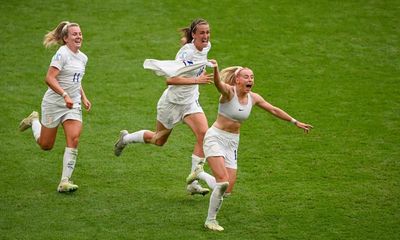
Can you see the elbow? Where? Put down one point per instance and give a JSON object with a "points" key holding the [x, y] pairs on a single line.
{"points": [[47, 81], [275, 111]]}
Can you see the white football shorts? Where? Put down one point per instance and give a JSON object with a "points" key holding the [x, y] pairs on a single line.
{"points": [[53, 115], [170, 114], [218, 142]]}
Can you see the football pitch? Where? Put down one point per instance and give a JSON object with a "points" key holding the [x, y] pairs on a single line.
{"points": [[333, 64]]}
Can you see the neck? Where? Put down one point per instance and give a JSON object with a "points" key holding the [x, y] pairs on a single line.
{"points": [[73, 49], [240, 93], [200, 48]]}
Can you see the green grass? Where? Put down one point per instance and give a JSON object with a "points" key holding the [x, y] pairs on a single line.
{"points": [[333, 64]]}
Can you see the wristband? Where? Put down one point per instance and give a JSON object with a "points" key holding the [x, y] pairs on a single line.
{"points": [[294, 121], [64, 94]]}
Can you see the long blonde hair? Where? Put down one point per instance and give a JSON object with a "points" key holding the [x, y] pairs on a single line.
{"points": [[187, 31], [229, 74], [56, 36]]}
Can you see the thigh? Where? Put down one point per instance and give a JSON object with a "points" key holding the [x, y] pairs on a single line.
{"points": [[197, 122], [47, 137], [217, 165], [162, 134], [72, 130]]}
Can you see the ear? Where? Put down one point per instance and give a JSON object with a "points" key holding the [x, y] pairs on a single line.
{"points": [[65, 38]]}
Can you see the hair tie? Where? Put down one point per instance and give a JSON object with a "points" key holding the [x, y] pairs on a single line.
{"points": [[65, 27], [238, 71]]}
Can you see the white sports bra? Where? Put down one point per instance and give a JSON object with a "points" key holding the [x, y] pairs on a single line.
{"points": [[234, 110]]}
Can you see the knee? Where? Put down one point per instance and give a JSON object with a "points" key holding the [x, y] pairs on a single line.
{"points": [[46, 147], [159, 138], [222, 178], [73, 142], [156, 140], [159, 143], [200, 135]]}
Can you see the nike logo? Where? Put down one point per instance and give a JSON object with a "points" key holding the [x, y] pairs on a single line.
{"points": [[241, 110]]}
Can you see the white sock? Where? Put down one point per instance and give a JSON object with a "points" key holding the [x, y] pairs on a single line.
{"points": [[196, 160], [216, 199], [209, 179], [69, 160], [36, 128], [136, 137]]}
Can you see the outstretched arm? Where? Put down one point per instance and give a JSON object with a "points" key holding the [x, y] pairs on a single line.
{"points": [[223, 88], [204, 78], [279, 113]]}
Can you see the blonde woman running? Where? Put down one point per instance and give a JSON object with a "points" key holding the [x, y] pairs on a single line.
{"points": [[61, 104], [221, 141]]}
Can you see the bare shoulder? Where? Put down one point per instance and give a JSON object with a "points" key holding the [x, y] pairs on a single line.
{"points": [[256, 97], [226, 93]]}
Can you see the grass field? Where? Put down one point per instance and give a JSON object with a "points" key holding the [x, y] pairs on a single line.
{"points": [[334, 64]]}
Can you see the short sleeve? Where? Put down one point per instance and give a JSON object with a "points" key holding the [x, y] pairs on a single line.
{"points": [[184, 53], [58, 60]]}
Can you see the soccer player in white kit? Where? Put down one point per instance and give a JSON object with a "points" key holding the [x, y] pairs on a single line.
{"points": [[179, 102], [221, 141], [62, 101]]}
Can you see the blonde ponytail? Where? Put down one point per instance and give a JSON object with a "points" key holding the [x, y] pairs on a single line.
{"points": [[56, 36], [228, 75]]}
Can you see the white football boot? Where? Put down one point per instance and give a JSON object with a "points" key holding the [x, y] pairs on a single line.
{"points": [[27, 122], [213, 225], [119, 144], [195, 174], [196, 188], [67, 186]]}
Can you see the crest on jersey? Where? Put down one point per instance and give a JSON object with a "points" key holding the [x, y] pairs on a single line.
{"points": [[57, 57]]}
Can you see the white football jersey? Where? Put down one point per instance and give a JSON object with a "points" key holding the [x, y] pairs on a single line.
{"points": [[185, 94], [72, 69]]}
